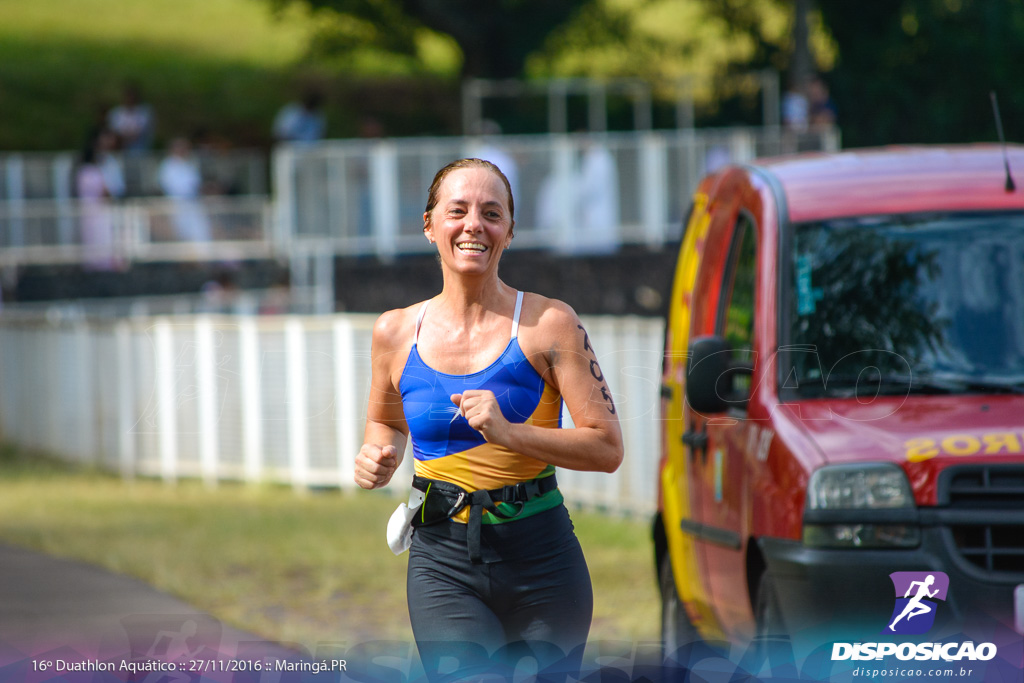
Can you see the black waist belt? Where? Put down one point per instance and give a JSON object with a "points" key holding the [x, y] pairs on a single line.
{"points": [[442, 500]]}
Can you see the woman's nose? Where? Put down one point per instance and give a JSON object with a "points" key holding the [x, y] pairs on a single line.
{"points": [[472, 221]]}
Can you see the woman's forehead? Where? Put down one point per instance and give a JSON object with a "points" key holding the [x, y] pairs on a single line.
{"points": [[465, 183]]}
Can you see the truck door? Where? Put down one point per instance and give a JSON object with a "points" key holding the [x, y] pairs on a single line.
{"points": [[719, 469]]}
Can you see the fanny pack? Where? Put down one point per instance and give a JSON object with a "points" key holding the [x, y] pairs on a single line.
{"points": [[442, 500]]}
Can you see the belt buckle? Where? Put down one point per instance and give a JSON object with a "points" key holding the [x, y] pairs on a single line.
{"points": [[516, 493]]}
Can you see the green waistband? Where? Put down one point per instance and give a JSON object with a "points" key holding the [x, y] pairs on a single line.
{"points": [[535, 505]]}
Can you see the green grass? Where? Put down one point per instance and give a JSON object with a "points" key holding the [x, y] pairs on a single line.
{"points": [[232, 30], [292, 568], [225, 66], [222, 64]]}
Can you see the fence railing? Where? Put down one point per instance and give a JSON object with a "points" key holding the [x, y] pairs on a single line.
{"points": [[50, 175], [262, 398], [573, 193], [103, 234]]}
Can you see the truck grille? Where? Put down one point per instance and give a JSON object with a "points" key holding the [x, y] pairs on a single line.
{"points": [[989, 541]]}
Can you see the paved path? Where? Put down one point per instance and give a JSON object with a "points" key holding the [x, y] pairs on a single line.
{"points": [[53, 608]]}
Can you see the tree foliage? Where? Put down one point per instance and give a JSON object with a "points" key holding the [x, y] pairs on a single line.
{"points": [[494, 36], [913, 71]]}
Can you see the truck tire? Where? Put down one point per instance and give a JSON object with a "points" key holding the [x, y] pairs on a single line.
{"points": [[676, 629], [767, 614]]}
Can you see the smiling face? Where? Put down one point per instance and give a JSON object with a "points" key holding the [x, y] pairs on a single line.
{"points": [[471, 221]]}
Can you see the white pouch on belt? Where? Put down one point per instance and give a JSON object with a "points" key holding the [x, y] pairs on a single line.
{"points": [[400, 524]]}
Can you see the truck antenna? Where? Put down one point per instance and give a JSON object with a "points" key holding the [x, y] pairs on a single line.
{"points": [[1010, 186]]}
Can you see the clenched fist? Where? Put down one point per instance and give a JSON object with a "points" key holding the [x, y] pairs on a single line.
{"points": [[481, 410], [375, 465]]}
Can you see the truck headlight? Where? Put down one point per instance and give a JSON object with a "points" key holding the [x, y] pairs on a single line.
{"points": [[864, 505]]}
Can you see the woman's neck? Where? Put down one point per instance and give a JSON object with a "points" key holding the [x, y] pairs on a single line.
{"points": [[472, 297]]}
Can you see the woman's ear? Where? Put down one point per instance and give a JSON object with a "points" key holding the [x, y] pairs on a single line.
{"points": [[428, 229], [511, 234]]}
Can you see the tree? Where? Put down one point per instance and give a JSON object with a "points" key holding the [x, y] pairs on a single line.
{"points": [[712, 46], [914, 71], [494, 36]]}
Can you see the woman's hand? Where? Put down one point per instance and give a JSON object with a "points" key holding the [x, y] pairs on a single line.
{"points": [[375, 465], [481, 410]]}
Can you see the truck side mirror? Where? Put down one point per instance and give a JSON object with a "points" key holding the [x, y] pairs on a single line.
{"points": [[710, 371]]}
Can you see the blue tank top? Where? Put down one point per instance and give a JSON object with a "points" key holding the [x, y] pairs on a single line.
{"points": [[445, 446]]}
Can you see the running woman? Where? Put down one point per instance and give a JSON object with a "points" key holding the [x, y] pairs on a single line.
{"points": [[477, 376]]}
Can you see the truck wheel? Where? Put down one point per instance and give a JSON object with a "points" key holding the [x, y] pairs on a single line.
{"points": [[767, 614], [676, 629]]}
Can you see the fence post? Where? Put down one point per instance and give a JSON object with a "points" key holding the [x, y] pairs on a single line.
{"points": [[298, 426], [63, 168], [206, 401], [251, 387], [284, 199], [167, 434], [565, 172], [15, 180], [384, 193], [345, 399], [125, 399], [88, 395], [742, 146], [654, 197]]}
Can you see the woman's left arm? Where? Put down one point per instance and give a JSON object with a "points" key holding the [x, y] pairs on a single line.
{"points": [[596, 442]]}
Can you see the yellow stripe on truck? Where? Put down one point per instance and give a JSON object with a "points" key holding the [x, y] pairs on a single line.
{"points": [[675, 482]]}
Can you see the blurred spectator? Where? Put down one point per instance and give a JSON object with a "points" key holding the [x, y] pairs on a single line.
{"points": [[717, 156], [795, 108], [96, 219], [113, 173], [211, 150], [370, 128], [132, 121], [598, 200], [301, 121], [181, 181], [278, 298], [821, 109], [221, 293]]}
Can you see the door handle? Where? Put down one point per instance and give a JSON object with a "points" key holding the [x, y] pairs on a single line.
{"points": [[697, 441]]}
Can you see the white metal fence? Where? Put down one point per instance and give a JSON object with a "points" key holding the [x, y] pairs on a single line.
{"points": [[573, 193], [262, 398], [50, 175], [104, 233]]}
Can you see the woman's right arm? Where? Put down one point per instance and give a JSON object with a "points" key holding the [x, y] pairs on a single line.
{"points": [[386, 430]]}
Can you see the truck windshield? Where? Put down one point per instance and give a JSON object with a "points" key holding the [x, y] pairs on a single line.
{"points": [[905, 304]]}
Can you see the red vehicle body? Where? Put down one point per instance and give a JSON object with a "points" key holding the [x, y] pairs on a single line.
{"points": [[843, 392]]}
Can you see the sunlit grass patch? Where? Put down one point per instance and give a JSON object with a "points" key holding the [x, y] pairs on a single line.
{"points": [[293, 568]]}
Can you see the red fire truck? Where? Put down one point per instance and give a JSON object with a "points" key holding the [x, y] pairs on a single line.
{"points": [[843, 392]]}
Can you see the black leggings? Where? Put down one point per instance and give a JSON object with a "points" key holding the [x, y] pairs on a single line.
{"points": [[528, 604]]}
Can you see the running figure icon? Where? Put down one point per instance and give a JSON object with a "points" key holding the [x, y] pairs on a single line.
{"points": [[915, 606]]}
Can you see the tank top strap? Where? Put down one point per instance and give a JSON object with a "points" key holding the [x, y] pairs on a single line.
{"points": [[419, 322], [515, 316]]}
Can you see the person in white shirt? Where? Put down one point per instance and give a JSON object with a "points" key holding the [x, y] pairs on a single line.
{"points": [[132, 121], [181, 181]]}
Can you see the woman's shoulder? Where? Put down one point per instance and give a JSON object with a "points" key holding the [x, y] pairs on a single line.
{"points": [[395, 328], [547, 320]]}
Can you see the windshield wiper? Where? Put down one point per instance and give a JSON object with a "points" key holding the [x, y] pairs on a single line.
{"points": [[864, 384], [894, 384], [992, 386]]}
